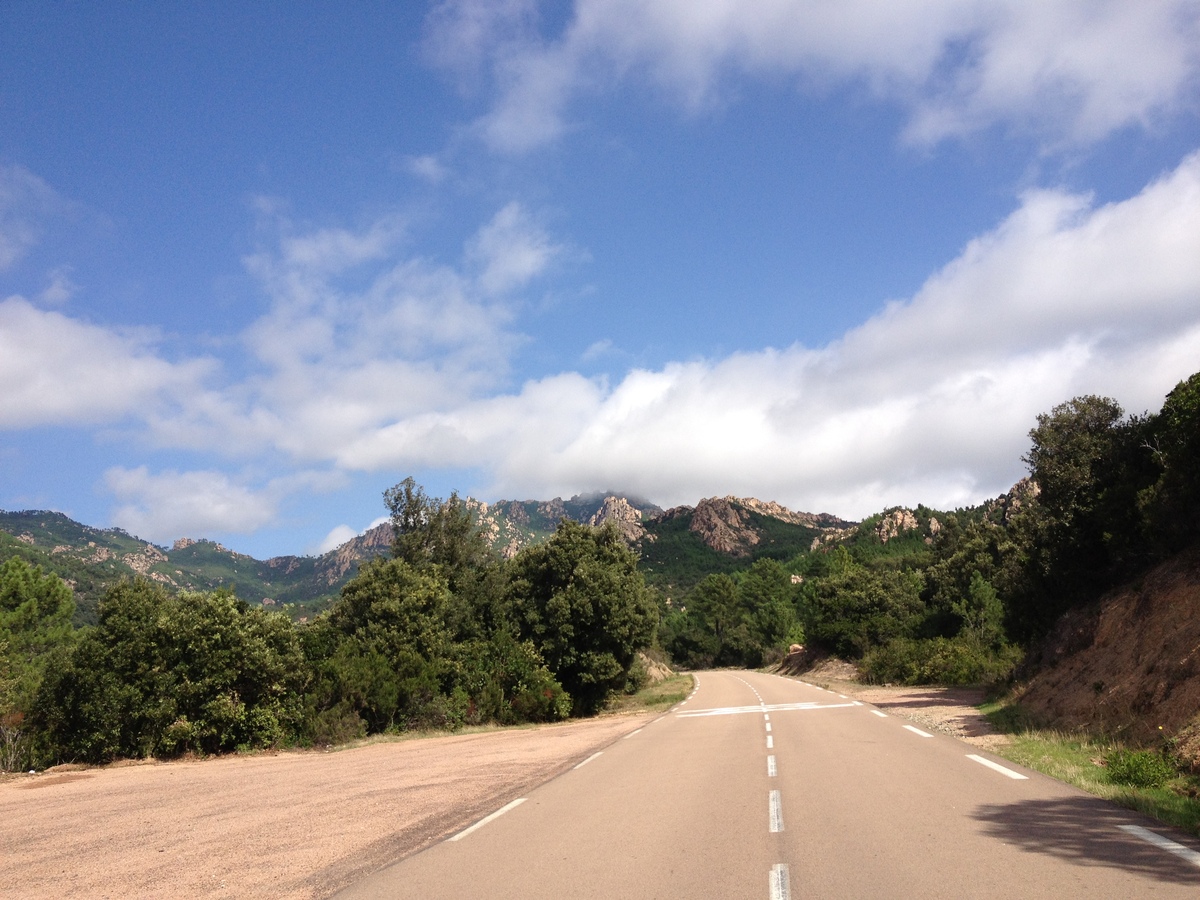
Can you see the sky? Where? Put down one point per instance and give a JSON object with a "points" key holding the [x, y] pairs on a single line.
{"points": [[259, 262]]}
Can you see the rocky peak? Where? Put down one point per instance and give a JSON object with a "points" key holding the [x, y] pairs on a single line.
{"points": [[1019, 495], [895, 523], [371, 543], [620, 512], [722, 524]]}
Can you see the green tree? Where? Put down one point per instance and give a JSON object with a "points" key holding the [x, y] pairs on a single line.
{"points": [[982, 613], [392, 661], [1173, 502], [581, 600], [444, 535], [1086, 531], [35, 619], [165, 674], [859, 608]]}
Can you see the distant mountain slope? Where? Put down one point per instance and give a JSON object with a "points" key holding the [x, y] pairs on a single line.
{"points": [[91, 559], [724, 534], [678, 547]]}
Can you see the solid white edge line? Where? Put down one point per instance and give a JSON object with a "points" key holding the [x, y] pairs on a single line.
{"points": [[775, 812], [1185, 853], [632, 733], [881, 715], [497, 814], [915, 730], [781, 888], [1016, 776], [588, 760]]}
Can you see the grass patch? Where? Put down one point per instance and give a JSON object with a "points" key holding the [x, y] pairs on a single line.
{"points": [[1085, 761], [656, 697]]}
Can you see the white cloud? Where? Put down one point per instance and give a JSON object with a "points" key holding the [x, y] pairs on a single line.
{"points": [[1065, 70], [164, 506], [25, 202], [358, 335], [929, 401], [59, 370], [510, 250], [337, 536], [59, 289], [428, 168]]}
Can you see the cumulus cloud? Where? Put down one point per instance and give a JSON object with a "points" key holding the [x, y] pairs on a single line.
{"points": [[59, 370], [1065, 70], [162, 506], [358, 334], [928, 401]]}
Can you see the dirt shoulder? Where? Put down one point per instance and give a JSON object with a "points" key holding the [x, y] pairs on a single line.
{"points": [[286, 825], [948, 710]]}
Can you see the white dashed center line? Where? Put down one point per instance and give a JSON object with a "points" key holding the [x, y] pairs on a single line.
{"points": [[780, 887], [1162, 843], [771, 770], [770, 742], [775, 810], [1016, 776]]}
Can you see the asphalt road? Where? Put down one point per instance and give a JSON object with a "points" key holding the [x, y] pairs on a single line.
{"points": [[764, 787]]}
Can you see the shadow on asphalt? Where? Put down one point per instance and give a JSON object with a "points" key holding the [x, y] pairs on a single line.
{"points": [[1083, 831]]}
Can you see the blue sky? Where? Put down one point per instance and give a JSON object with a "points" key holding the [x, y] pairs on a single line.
{"points": [[260, 262]]}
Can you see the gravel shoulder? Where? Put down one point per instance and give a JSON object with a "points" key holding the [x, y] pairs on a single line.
{"points": [[281, 826], [950, 710]]}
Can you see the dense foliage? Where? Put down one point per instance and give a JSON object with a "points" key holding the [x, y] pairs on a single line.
{"points": [[442, 634], [957, 597]]}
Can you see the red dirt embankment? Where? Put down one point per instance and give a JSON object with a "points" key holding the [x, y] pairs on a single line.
{"points": [[1129, 665], [286, 825]]}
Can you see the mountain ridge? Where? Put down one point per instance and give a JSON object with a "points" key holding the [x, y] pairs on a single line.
{"points": [[90, 559]]}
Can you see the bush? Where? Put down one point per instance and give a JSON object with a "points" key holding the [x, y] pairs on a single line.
{"points": [[959, 660], [163, 674], [1139, 768]]}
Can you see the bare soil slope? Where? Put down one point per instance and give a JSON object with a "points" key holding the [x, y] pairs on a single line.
{"points": [[289, 825], [1129, 665]]}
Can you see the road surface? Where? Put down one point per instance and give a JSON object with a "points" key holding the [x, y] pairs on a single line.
{"points": [[760, 786]]}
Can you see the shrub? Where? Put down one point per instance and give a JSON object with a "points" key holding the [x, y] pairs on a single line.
{"points": [[959, 660], [1139, 768]]}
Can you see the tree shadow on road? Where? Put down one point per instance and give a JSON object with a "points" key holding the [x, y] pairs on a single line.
{"points": [[1085, 831]]}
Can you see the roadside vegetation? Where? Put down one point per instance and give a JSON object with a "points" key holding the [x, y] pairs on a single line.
{"points": [[443, 634], [928, 597], [1152, 781]]}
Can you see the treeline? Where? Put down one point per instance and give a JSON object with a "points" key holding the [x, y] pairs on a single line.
{"points": [[1109, 495], [443, 633]]}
